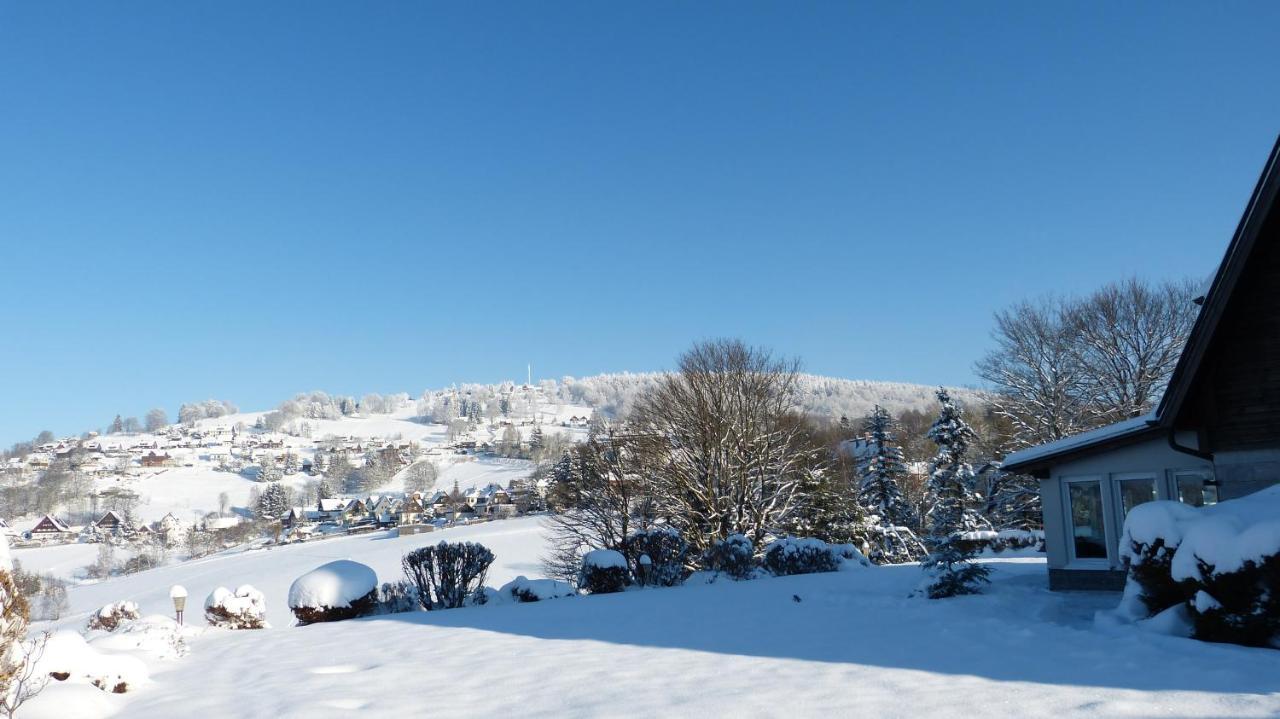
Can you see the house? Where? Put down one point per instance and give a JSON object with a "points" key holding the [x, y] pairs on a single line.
{"points": [[384, 511], [1215, 434], [50, 527], [110, 523], [151, 459], [410, 511], [330, 509]]}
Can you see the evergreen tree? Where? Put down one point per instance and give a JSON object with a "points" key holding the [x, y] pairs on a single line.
{"points": [[953, 519], [117, 426], [879, 470], [324, 490], [536, 440], [273, 503], [268, 472], [290, 463]]}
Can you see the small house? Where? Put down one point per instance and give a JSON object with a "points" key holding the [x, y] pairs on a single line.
{"points": [[111, 523], [151, 459], [1215, 434], [50, 527]]}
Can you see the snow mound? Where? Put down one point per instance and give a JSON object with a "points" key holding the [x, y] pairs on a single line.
{"points": [[523, 589], [336, 584], [68, 657]]}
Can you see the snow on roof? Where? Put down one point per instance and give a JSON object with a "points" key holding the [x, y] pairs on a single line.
{"points": [[1077, 441], [332, 504]]}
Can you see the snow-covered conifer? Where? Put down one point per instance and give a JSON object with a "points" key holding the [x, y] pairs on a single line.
{"points": [[955, 526], [880, 468]]}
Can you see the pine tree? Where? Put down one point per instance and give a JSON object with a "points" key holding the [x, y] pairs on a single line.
{"points": [[536, 441], [269, 472], [273, 503], [324, 490], [879, 470], [953, 518], [290, 463], [117, 426]]}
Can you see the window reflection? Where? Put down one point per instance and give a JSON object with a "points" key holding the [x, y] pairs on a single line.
{"points": [[1088, 528]]}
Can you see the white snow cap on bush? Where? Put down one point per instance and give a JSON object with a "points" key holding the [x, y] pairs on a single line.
{"points": [[336, 584], [6, 562], [604, 559], [245, 601], [1224, 536]]}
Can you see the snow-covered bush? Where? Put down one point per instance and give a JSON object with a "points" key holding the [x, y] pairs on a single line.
{"points": [[522, 589], [1221, 563], [397, 597], [603, 571], [800, 555], [447, 574], [341, 589], [656, 557], [850, 556], [246, 608], [734, 556], [110, 617]]}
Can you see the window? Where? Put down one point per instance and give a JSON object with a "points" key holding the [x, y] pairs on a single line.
{"points": [[1088, 526], [1196, 489], [1135, 491]]}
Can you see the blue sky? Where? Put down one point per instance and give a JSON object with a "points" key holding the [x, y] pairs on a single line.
{"points": [[245, 200]]}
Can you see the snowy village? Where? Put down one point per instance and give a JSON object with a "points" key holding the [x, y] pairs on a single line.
{"points": [[420, 359]]}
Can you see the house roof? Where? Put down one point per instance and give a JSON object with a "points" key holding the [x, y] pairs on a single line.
{"points": [[1214, 300]]}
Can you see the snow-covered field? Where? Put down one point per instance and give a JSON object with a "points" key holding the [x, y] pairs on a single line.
{"points": [[845, 644]]}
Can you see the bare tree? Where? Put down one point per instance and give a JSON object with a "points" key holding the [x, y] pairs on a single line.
{"points": [[156, 420], [1127, 338], [1061, 367], [603, 497], [1036, 371], [727, 455]]}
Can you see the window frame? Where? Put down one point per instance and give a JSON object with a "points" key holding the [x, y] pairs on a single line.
{"points": [[1109, 534]]}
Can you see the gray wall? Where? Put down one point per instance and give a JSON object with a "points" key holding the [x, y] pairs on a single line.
{"points": [[1150, 457]]}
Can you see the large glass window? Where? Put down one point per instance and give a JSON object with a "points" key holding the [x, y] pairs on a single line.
{"points": [[1194, 489], [1088, 527], [1136, 491]]}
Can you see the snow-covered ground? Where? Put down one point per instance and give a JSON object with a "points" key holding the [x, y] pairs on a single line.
{"points": [[844, 644]]}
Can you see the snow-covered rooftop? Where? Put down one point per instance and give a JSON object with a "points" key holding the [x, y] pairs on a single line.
{"points": [[1076, 441]]}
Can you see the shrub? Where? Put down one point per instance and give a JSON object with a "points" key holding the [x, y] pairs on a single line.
{"points": [[110, 617], [656, 557], [803, 555], [1150, 567], [339, 590], [446, 574], [734, 555], [1241, 606], [398, 597], [603, 571], [246, 608]]}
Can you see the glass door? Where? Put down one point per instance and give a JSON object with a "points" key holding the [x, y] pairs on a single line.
{"points": [[1088, 520]]}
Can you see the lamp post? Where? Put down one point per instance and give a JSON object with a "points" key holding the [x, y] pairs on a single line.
{"points": [[178, 594]]}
